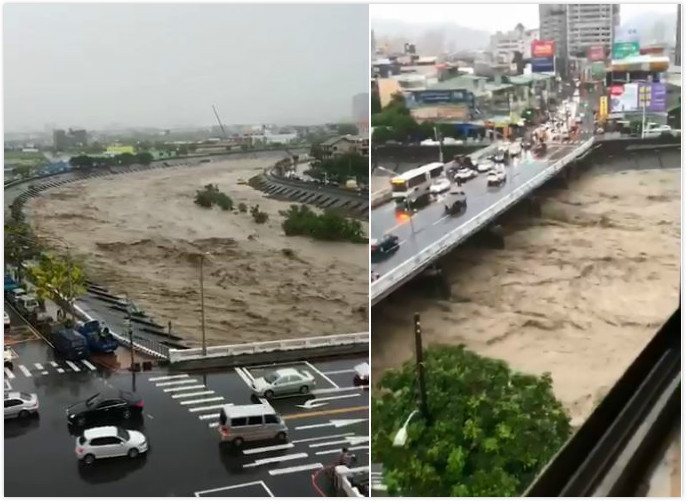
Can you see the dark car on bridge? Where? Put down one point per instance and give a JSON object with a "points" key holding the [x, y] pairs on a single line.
{"points": [[384, 246], [105, 408]]}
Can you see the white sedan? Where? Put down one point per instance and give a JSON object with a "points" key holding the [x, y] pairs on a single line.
{"points": [[20, 404], [109, 442], [440, 185], [484, 165], [496, 177], [283, 381], [465, 174]]}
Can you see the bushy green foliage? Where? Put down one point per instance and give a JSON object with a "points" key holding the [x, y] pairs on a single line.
{"points": [[259, 216], [492, 429], [301, 220], [87, 161], [210, 195], [341, 168], [242, 207]]}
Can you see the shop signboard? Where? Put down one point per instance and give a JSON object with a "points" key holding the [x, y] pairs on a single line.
{"points": [[624, 98], [596, 53], [542, 48], [597, 71], [602, 109], [623, 50], [543, 64], [654, 95]]}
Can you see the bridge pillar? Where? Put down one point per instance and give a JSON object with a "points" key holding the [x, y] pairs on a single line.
{"points": [[494, 237], [533, 206], [438, 281]]}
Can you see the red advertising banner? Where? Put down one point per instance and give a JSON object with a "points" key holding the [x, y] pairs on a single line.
{"points": [[596, 53], [543, 48]]}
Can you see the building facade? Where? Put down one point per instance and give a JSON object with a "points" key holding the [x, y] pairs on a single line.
{"points": [[504, 45], [590, 25], [361, 107], [63, 140]]}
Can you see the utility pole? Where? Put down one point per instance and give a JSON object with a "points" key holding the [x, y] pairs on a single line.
{"points": [[202, 305], [423, 401], [129, 328]]}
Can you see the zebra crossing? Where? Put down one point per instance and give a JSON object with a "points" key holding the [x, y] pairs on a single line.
{"points": [[186, 391], [37, 369]]}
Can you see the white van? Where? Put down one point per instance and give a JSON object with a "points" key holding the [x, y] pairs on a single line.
{"points": [[247, 423]]}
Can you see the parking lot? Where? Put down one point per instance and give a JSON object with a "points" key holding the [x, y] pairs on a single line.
{"points": [[180, 415]]}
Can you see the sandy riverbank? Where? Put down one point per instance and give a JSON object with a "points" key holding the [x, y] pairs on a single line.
{"points": [[578, 292], [141, 234]]}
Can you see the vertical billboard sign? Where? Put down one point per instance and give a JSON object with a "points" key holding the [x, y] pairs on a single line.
{"points": [[602, 109], [542, 56], [623, 98], [596, 53], [654, 95]]}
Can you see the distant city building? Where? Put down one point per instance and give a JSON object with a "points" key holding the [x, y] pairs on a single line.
{"points": [[409, 48], [361, 107], [337, 146], [62, 140], [553, 26], [505, 45], [591, 25]]}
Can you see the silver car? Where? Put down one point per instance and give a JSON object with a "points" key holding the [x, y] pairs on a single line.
{"points": [[283, 381], [20, 404]]}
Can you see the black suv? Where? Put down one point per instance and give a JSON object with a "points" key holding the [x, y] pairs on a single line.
{"points": [[384, 246]]}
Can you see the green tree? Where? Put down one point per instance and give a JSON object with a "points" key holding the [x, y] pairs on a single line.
{"points": [[20, 243], [54, 274], [348, 129], [144, 158], [492, 429]]}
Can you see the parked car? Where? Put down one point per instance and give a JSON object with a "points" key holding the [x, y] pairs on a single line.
{"points": [[283, 381], [20, 405], [440, 185], [7, 322], [384, 246], [109, 442], [111, 408], [361, 377]]}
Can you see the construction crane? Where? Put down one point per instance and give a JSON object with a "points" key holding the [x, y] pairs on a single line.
{"points": [[220, 122]]}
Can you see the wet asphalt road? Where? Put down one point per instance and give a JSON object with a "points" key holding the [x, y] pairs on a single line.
{"points": [[179, 420], [185, 456]]}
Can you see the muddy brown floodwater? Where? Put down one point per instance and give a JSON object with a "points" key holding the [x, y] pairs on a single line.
{"points": [[141, 234], [577, 293]]}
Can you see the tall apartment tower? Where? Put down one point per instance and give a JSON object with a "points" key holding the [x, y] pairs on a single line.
{"points": [[589, 25], [553, 26]]}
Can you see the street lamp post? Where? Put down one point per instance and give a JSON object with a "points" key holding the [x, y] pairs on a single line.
{"points": [[400, 438], [202, 302], [129, 330], [423, 401]]}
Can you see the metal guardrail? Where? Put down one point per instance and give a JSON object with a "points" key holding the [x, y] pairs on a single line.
{"points": [[268, 346], [338, 192], [426, 256]]}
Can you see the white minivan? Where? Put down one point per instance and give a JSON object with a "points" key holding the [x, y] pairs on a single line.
{"points": [[247, 423]]}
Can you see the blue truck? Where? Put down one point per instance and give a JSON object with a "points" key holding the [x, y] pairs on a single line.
{"points": [[98, 337]]}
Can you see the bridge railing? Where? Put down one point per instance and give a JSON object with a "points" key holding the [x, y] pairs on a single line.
{"points": [[268, 346], [427, 255]]}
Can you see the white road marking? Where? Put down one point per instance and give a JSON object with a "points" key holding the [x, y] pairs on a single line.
{"points": [[194, 387], [9, 374], [326, 391], [312, 404], [88, 364], [194, 394], [204, 417], [342, 371], [60, 370], [171, 383], [350, 440], [277, 459], [258, 450], [165, 378], [214, 425], [45, 373], [336, 423], [53, 363], [201, 400], [321, 374], [332, 451], [206, 408], [436, 222], [294, 469], [73, 366], [25, 371], [314, 439], [39, 366], [244, 376], [237, 486]]}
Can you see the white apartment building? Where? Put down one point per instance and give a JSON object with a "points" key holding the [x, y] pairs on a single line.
{"points": [[504, 45], [589, 25]]}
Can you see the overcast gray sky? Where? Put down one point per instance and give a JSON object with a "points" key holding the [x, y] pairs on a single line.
{"points": [[489, 17], [165, 65]]}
